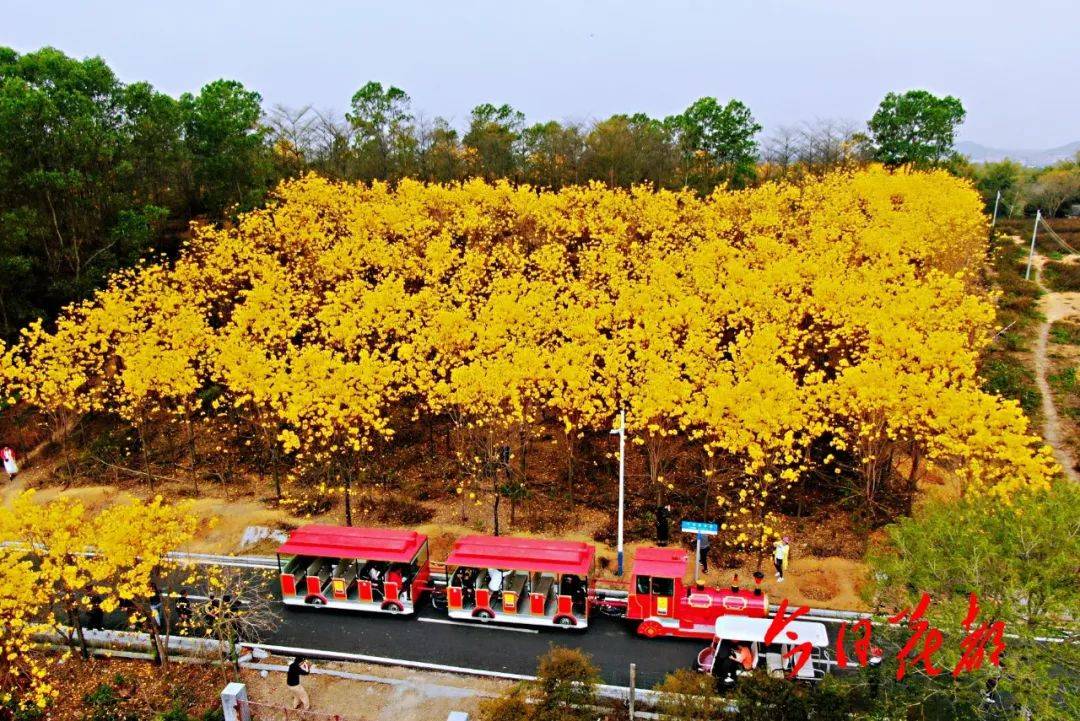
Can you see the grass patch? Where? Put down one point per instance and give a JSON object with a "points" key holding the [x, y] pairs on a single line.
{"points": [[1065, 381], [1008, 378], [1065, 332], [1012, 341], [1062, 277]]}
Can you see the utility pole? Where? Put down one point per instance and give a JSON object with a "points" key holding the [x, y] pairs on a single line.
{"points": [[1031, 253], [993, 220], [621, 432]]}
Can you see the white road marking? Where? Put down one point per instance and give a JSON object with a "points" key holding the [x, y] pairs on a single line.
{"points": [[477, 624]]}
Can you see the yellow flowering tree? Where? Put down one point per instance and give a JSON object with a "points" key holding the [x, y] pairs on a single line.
{"points": [[24, 682], [831, 326]]}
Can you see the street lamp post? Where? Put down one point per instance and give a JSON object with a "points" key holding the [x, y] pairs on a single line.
{"points": [[621, 432]]}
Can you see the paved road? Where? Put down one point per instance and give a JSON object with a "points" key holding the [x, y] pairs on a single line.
{"points": [[612, 643]]}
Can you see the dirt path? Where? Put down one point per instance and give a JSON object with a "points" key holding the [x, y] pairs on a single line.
{"points": [[1055, 307]]}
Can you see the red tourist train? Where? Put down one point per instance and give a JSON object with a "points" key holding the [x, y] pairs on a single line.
{"points": [[522, 581]]}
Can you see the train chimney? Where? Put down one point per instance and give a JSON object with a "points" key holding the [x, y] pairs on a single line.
{"points": [[758, 577], [735, 584]]}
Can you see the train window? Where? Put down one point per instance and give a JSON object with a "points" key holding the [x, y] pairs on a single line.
{"points": [[642, 585], [663, 586]]}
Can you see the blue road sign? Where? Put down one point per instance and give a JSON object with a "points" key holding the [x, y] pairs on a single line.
{"points": [[707, 529]]}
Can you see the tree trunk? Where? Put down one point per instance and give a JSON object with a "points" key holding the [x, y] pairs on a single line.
{"points": [[498, 497], [76, 622], [570, 468], [191, 448], [145, 451], [348, 498], [913, 479]]}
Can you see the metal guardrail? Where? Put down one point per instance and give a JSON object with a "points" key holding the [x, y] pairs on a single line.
{"points": [[210, 559]]}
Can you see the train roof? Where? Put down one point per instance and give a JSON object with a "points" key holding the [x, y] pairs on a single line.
{"points": [[523, 554], [745, 628], [369, 544], [663, 562]]}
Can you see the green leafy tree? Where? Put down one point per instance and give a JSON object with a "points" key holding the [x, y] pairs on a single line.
{"points": [[85, 160], [230, 159], [716, 144], [1005, 177], [440, 154], [625, 150], [915, 128], [494, 141], [553, 154], [385, 140], [1020, 561]]}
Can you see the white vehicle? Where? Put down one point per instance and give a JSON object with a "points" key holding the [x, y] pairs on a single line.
{"points": [[732, 630]]}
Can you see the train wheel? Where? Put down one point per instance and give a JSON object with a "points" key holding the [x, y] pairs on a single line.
{"points": [[649, 629], [483, 614], [565, 621], [393, 607], [314, 601]]}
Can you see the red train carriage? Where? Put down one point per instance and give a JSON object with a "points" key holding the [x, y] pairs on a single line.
{"points": [[527, 581], [364, 569], [666, 607]]}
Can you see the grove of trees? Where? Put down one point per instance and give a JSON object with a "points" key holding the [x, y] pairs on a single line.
{"points": [[829, 328], [96, 173]]}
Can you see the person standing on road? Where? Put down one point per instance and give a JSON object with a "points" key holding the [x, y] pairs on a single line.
{"points": [[663, 525], [780, 557], [11, 468], [299, 667]]}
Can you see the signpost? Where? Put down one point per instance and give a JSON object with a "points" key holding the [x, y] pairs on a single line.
{"points": [[621, 433], [701, 528]]}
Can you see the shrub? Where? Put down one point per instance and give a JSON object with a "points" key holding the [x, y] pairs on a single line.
{"points": [[565, 683], [1065, 333], [1064, 381], [1008, 378], [512, 706], [176, 713], [692, 696], [1061, 276]]}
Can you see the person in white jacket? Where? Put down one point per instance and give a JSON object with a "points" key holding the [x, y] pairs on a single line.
{"points": [[780, 557], [10, 467]]}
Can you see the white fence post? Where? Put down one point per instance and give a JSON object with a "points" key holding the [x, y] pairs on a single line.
{"points": [[231, 696]]}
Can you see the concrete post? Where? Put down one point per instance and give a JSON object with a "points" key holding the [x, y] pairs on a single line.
{"points": [[231, 696], [633, 686], [457, 716]]}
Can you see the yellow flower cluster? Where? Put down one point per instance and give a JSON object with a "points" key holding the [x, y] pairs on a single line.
{"points": [[48, 579], [844, 310]]}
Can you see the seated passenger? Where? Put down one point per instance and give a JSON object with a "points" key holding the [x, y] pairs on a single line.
{"points": [[495, 583], [393, 575], [745, 656], [575, 589], [375, 575]]}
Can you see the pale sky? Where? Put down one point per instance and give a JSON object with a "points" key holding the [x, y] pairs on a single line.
{"points": [[1015, 65]]}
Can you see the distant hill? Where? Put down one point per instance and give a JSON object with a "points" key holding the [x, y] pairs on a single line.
{"points": [[1034, 158]]}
